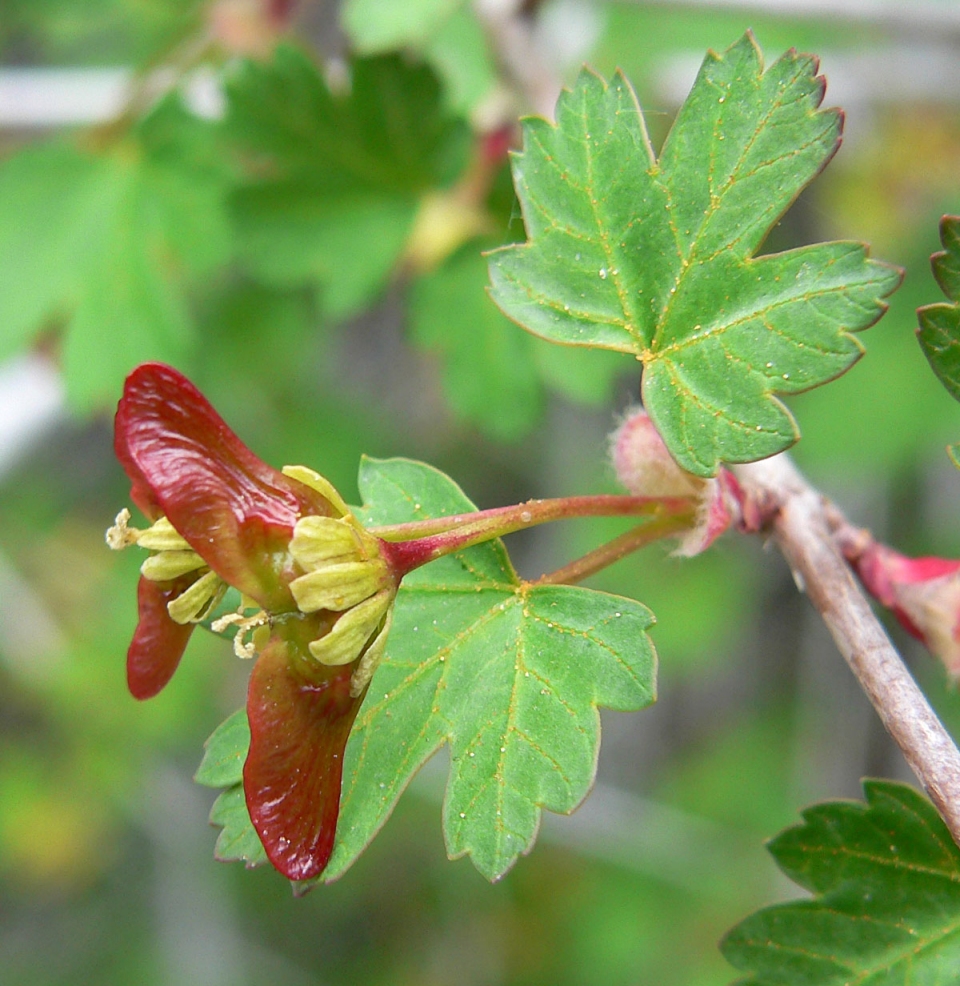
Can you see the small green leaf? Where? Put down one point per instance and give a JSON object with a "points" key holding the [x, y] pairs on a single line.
{"points": [[222, 766], [335, 178], [379, 25], [885, 879], [939, 331], [225, 752], [510, 675], [655, 257], [239, 839]]}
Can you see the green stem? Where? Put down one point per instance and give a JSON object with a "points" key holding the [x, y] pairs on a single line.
{"points": [[632, 540], [410, 545]]}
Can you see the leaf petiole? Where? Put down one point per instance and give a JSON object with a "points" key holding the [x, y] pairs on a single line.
{"points": [[619, 547], [414, 544]]}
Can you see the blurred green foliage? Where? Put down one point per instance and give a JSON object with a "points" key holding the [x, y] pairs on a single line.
{"points": [[289, 292]]}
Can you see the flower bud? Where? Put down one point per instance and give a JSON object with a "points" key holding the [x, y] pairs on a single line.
{"points": [[645, 467]]}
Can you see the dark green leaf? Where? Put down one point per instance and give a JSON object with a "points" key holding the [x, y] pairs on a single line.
{"points": [[493, 375], [885, 879], [939, 331], [656, 257], [292, 233], [335, 178], [509, 674]]}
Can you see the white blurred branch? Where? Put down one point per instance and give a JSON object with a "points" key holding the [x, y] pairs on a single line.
{"points": [[917, 17], [59, 97]]}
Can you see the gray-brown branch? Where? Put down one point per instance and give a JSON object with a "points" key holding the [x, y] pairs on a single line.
{"points": [[800, 525]]}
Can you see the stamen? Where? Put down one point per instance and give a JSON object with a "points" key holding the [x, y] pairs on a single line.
{"points": [[162, 536], [121, 535], [352, 631], [321, 540], [167, 565], [245, 625], [338, 587]]}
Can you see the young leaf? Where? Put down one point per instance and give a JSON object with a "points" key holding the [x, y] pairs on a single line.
{"points": [[939, 331], [335, 179], [509, 674], [885, 879], [656, 257]]}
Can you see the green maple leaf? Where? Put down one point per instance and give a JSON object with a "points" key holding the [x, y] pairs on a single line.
{"points": [[656, 256], [885, 879], [335, 178], [510, 675]]}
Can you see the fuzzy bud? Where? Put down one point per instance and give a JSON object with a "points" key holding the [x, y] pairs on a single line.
{"points": [[645, 467]]}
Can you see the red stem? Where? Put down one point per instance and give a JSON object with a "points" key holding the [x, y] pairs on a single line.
{"points": [[407, 546], [628, 542]]}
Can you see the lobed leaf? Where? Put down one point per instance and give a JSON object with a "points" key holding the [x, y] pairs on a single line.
{"points": [[222, 766], [656, 257], [508, 674], [238, 840], [224, 752], [885, 880]]}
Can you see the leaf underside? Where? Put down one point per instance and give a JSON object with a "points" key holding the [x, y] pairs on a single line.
{"points": [[656, 256], [510, 675], [885, 879]]}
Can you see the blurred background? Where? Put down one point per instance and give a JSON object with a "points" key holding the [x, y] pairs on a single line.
{"points": [[288, 200]]}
